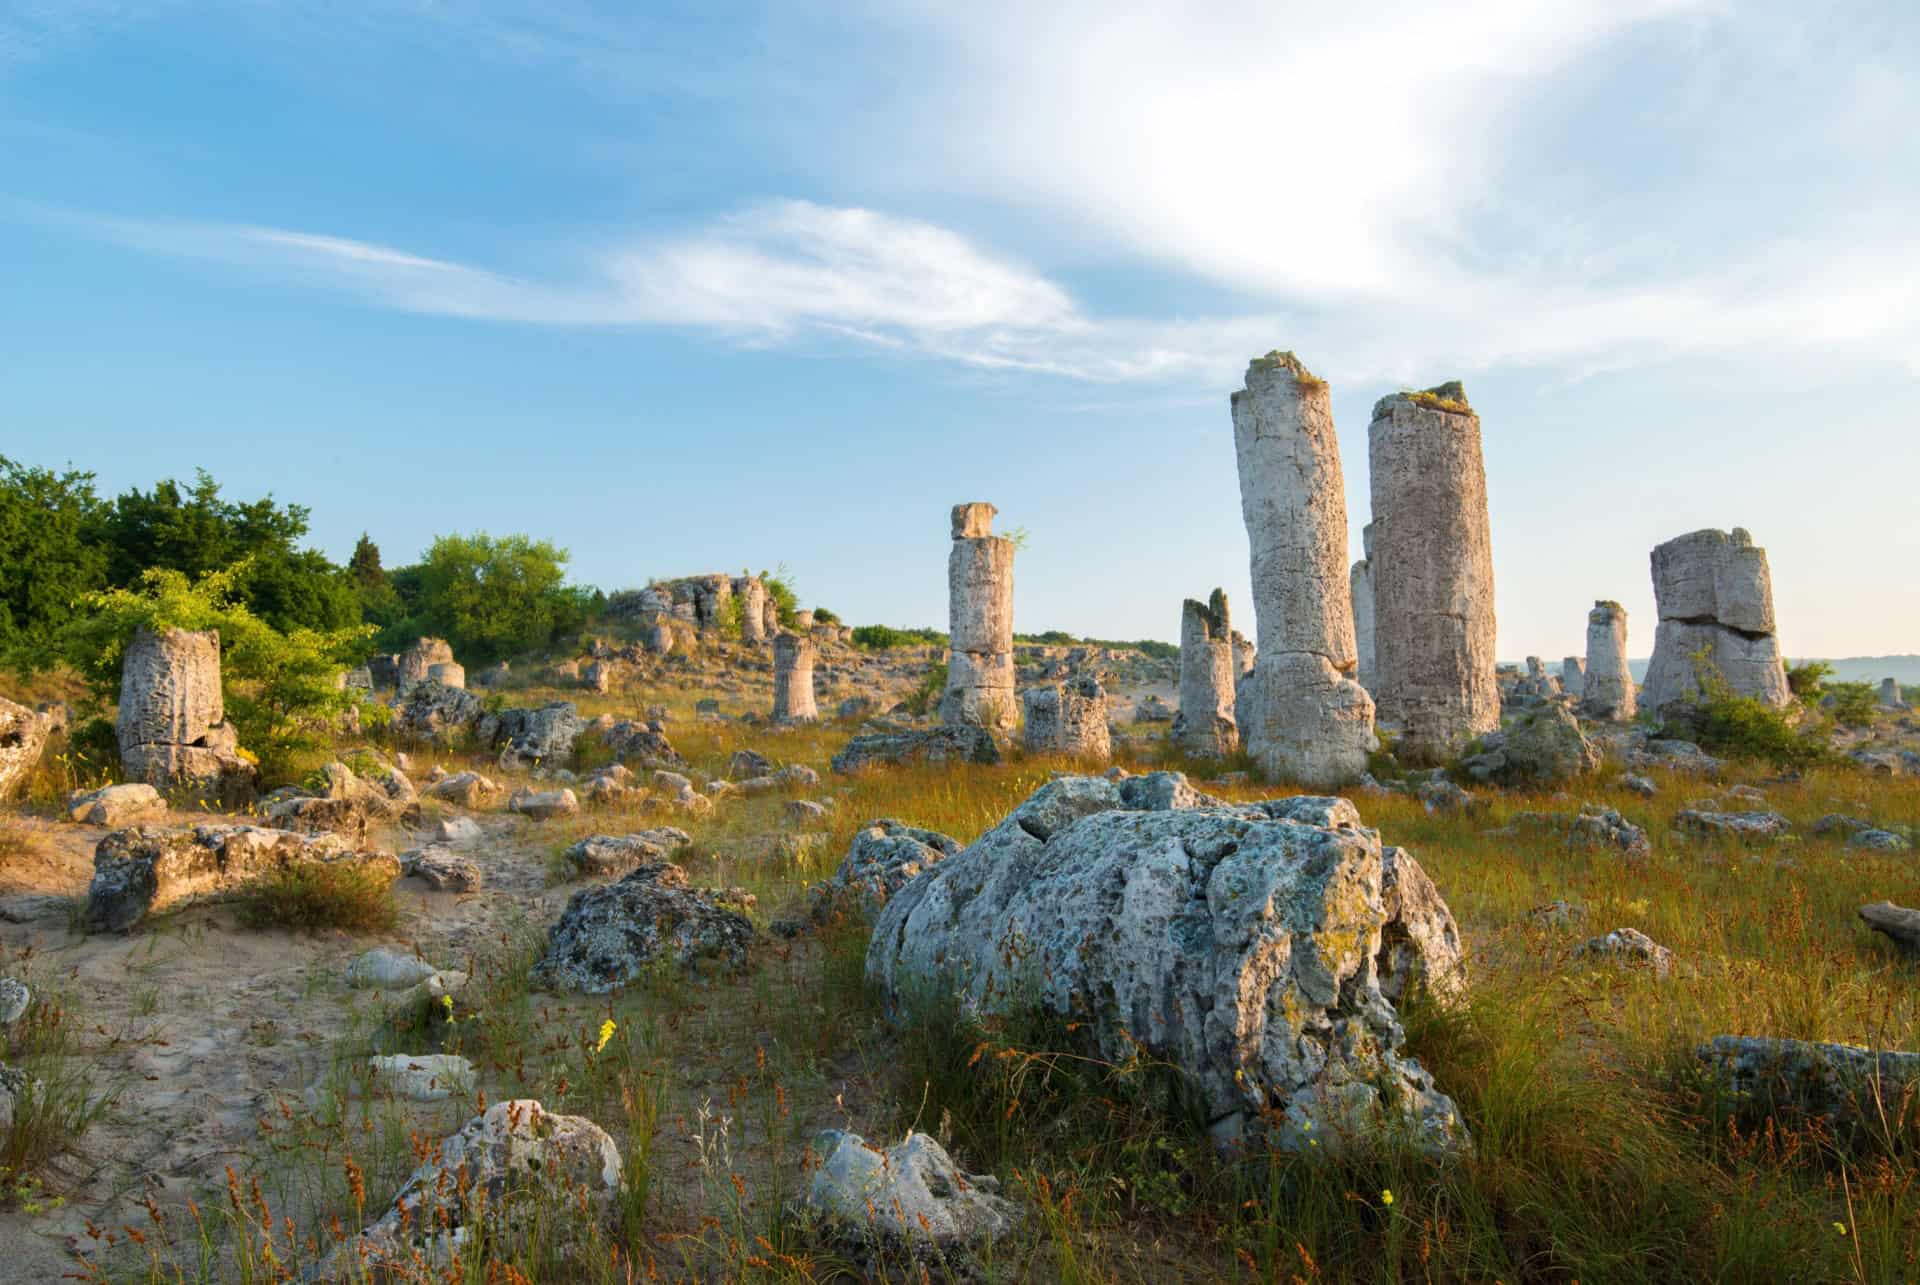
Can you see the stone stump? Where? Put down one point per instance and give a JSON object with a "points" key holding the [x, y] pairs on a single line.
{"points": [[1433, 586], [751, 594], [1309, 721], [172, 726], [1715, 596], [980, 682], [1205, 726], [1890, 694], [793, 679], [1068, 718], [1608, 693], [448, 673], [416, 662]]}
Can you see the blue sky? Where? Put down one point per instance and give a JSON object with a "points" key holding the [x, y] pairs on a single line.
{"points": [[705, 286]]}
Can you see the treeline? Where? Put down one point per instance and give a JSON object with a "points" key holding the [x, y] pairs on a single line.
{"points": [[62, 544]]}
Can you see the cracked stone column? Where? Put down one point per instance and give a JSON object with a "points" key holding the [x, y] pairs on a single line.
{"points": [[793, 679], [1433, 627], [1714, 595], [172, 727], [1205, 726], [1307, 719], [1068, 718], [1573, 677], [980, 681], [751, 594], [1361, 587], [1608, 694]]}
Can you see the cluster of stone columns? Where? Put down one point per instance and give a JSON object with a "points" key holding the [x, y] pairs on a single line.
{"points": [[793, 700], [980, 681], [1205, 727], [1306, 718], [1433, 618]]}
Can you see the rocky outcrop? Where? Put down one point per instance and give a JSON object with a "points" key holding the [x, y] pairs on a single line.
{"points": [[890, 745], [643, 743], [1205, 727], [141, 871], [1573, 678], [1738, 825], [1433, 588], [1242, 944], [1068, 718], [751, 593], [23, 739], [1308, 719], [793, 700], [171, 727], [1607, 690], [980, 682], [435, 714], [908, 1202], [1715, 598], [610, 935], [1890, 694]]}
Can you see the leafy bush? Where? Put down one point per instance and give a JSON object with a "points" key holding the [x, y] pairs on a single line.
{"points": [[779, 583], [927, 694], [281, 689], [48, 559], [489, 596], [1852, 704], [823, 616], [1727, 723], [886, 637], [322, 894], [1807, 680]]}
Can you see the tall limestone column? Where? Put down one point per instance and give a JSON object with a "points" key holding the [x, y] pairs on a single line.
{"points": [[1308, 719], [980, 618], [1205, 726], [751, 594], [1361, 585], [793, 679], [1608, 693], [1433, 625], [1714, 594]]}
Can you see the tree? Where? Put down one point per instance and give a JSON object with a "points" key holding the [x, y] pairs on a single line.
{"points": [[364, 565], [281, 690], [50, 557], [491, 596]]}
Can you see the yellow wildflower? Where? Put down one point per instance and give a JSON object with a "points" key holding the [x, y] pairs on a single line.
{"points": [[1386, 1196], [1840, 1228], [606, 1033]]}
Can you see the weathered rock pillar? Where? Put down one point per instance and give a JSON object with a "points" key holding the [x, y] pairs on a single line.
{"points": [[1361, 583], [416, 662], [1715, 595], [751, 594], [172, 726], [448, 673], [1573, 677], [1433, 630], [1068, 718], [1609, 690], [1205, 726], [793, 679], [1890, 694], [980, 617], [1309, 720]]}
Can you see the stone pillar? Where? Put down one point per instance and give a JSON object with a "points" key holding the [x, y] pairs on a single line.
{"points": [[1890, 694], [1309, 721], [1433, 627], [172, 727], [1714, 595], [1068, 718], [1361, 587], [1205, 726], [793, 679], [448, 674], [803, 620], [417, 662], [980, 617], [1608, 693], [751, 594], [1573, 677]]}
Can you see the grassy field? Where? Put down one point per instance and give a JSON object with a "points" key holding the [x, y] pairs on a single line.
{"points": [[1602, 1153]]}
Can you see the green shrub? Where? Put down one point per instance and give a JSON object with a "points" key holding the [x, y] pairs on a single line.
{"points": [[1808, 679], [926, 696], [314, 895], [1852, 704], [779, 585], [825, 616], [1727, 723], [886, 637]]}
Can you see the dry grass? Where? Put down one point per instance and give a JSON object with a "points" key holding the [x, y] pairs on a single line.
{"points": [[312, 896]]}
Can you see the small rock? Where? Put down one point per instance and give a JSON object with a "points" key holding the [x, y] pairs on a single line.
{"points": [[1898, 924], [1631, 947], [116, 805], [1744, 825], [457, 830], [443, 869], [543, 805], [910, 1200], [432, 1077], [1643, 786], [385, 969], [14, 998]]}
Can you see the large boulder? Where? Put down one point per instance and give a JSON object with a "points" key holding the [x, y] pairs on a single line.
{"points": [[883, 858], [909, 1201], [616, 855], [499, 1177], [893, 746], [434, 712], [139, 871], [1848, 1087], [643, 743], [527, 737], [1543, 746], [610, 935], [1243, 944], [115, 805], [23, 738]]}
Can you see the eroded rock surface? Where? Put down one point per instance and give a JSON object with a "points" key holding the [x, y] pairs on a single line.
{"points": [[609, 935], [1715, 595], [139, 871]]}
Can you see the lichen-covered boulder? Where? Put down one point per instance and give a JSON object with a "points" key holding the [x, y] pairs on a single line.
{"points": [[1739, 825], [527, 737], [908, 1201], [608, 936], [616, 854], [498, 1177], [893, 746], [1849, 1087], [882, 859], [1241, 943], [434, 712], [1628, 947], [115, 805], [23, 738], [1543, 746], [139, 871], [643, 743]]}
